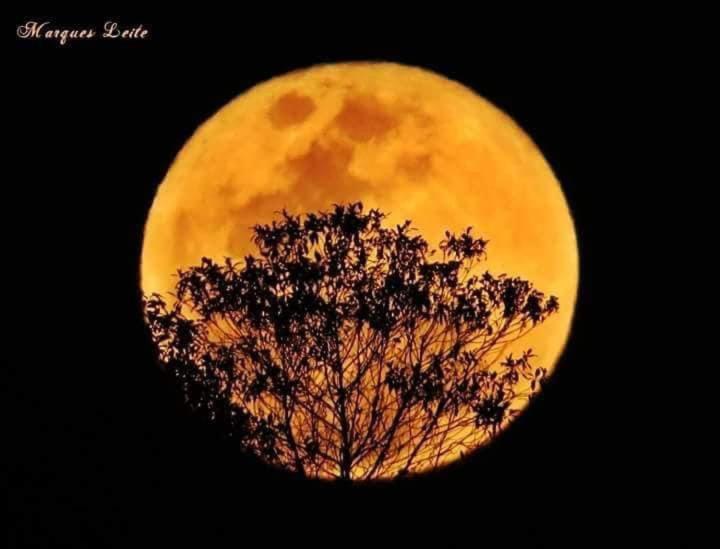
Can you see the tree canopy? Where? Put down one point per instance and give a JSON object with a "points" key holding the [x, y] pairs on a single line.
{"points": [[348, 349]]}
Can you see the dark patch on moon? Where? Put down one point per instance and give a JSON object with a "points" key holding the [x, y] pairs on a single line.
{"points": [[363, 117], [415, 166], [319, 178], [290, 109], [321, 175]]}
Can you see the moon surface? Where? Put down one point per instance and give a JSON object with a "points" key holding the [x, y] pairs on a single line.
{"points": [[402, 139]]}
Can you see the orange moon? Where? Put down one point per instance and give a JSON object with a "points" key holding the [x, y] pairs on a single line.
{"points": [[402, 139]]}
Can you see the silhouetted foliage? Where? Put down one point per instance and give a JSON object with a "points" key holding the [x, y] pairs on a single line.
{"points": [[343, 349]]}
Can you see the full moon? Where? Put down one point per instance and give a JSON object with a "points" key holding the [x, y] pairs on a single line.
{"points": [[408, 141]]}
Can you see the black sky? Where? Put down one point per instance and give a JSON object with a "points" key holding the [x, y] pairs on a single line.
{"points": [[102, 454]]}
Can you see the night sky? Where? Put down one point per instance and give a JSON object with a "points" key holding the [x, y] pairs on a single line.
{"points": [[102, 452]]}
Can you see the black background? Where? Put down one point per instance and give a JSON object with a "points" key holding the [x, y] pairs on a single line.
{"points": [[102, 452]]}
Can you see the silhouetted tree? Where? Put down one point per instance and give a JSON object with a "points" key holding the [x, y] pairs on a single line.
{"points": [[344, 350]]}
